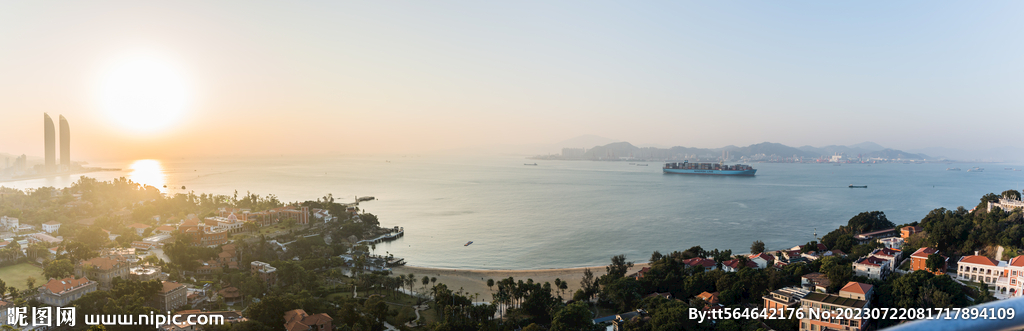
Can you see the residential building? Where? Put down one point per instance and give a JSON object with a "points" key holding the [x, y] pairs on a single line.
{"points": [[9, 223], [171, 296], [763, 260], [640, 274], [734, 265], [1006, 204], [710, 298], [298, 320], [139, 228], [264, 271], [817, 302], [230, 294], [919, 260], [51, 226], [894, 256], [907, 231], [815, 281], [859, 291], [1005, 278], [60, 293], [784, 298], [164, 229], [892, 242], [103, 270], [871, 267], [44, 238], [143, 245], [707, 264]]}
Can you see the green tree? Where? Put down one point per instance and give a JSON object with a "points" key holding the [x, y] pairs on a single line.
{"points": [[270, 310], [869, 221], [1011, 194], [655, 256], [836, 271], [31, 283], [617, 269], [757, 247], [573, 317], [58, 269], [935, 263]]}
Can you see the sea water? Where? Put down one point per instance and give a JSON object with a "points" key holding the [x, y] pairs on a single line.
{"points": [[576, 213]]}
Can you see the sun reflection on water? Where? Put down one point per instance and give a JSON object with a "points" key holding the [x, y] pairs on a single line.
{"points": [[148, 172]]}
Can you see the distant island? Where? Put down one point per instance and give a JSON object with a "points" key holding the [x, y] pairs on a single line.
{"points": [[763, 152]]}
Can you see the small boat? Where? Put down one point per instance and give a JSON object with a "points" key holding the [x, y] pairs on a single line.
{"points": [[469, 243], [531, 164], [976, 169], [858, 186], [952, 169]]}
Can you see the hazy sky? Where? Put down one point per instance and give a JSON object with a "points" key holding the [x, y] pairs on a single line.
{"points": [[390, 76]]}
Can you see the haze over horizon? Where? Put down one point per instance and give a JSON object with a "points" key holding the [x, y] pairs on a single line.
{"points": [[160, 80]]}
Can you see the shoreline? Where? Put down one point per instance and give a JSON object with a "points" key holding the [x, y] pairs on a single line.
{"points": [[474, 281]]}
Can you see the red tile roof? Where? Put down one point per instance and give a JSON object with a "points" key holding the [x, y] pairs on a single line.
{"points": [[765, 256], [710, 298], [979, 259], [735, 264], [871, 260], [924, 252], [855, 287], [707, 263], [170, 286], [1017, 261], [59, 286]]}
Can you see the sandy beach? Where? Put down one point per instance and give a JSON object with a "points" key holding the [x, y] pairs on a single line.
{"points": [[475, 281]]}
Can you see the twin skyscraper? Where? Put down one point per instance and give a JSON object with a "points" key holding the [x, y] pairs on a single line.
{"points": [[50, 165]]}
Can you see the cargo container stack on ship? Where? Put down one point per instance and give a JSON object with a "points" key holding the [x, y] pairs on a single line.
{"points": [[688, 168]]}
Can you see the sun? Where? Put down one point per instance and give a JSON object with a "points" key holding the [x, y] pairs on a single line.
{"points": [[143, 92]]}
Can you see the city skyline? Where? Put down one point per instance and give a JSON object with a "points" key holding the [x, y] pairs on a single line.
{"points": [[375, 79]]}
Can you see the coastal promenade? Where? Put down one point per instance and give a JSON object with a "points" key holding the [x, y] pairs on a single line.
{"points": [[475, 281]]}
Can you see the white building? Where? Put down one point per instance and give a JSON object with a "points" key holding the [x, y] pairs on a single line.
{"points": [[9, 223], [872, 267], [51, 226], [1005, 278], [62, 292], [1006, 204], [893, 242], [894, 256]]}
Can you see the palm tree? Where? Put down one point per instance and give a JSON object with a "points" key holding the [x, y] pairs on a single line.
{"points": [[490, 284]]}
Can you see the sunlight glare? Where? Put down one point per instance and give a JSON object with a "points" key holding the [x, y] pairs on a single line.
{"points": [[143, 92], [148, 172]]}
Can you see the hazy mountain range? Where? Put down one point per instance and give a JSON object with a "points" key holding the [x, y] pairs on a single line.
{"points": [[868, 150], [865, 149]]}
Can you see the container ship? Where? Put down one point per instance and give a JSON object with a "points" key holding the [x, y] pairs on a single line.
{"points": [[709, 169]]}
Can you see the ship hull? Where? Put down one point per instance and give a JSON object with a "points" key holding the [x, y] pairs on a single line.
{"points": [[711, 172]]}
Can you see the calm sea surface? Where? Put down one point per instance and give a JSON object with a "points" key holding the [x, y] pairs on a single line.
{"points": [[578, 213]]}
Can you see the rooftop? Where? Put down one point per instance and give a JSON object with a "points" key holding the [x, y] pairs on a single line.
{"points": [[835, 300]]}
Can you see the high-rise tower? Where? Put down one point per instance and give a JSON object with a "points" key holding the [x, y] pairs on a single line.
{"points": [[65, 145], [51, 151]]}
